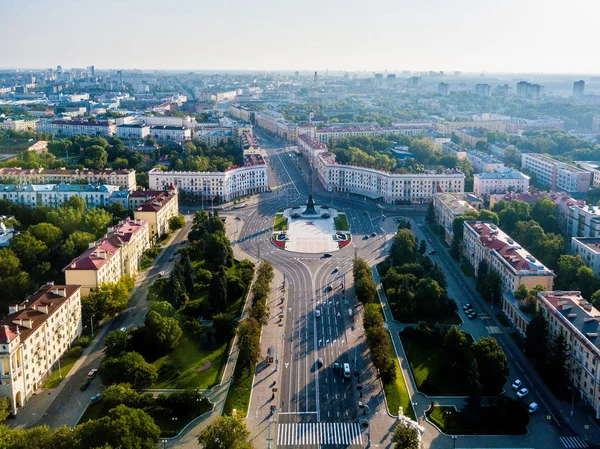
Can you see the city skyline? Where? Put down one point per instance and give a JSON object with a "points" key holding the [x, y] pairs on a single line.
{"points": [[466, 36]]}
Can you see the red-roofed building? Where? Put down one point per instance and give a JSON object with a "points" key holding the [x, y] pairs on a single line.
{"points": [[514, 264], [34, 335], [116, 254], [157, 211]]}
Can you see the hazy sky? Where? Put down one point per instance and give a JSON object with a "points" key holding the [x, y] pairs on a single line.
{"points": [[467, 35]]}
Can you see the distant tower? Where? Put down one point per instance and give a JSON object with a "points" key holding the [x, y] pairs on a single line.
{"points": [[443, 89], [578, 89], [316, 79], [59, 69], [120, 76], [92, 70]]}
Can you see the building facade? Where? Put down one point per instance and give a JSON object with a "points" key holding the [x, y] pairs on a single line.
{"points": [[124, 178], [448, 206], [453, 149], [139, 131], [557, 175], [54, 195], [514, 264], [76, 127], [470, 136], [34, 336], [234, 182], [157, 212], [500, 181], [176, 133], [117, 254], [483, 162]]}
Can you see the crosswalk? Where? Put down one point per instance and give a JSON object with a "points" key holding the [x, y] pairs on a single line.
{"points": [[304, 434], [573, 442]]}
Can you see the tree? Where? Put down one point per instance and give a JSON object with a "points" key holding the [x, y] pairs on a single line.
{"points": [[492, 364], [558, 360], [567, 270], [422, 247], [595, 298], [130, 368], [456, 350], [429, 298], [123, 427], [226, 432], [218, 250], [76, 243], [544, 211], [116, 343], [96, 221], [176, 222], [14, 282], [217, 294], [513, 413], [161, 332], [403, 248], [118, 394], [512, 156], [536, 344], [47, 233], [163, 308], [224, 326], [95, 157], [189, 275], [5, 408], [248, 343], [30, 251], [587, 281], [406, 436], [438, 275]]}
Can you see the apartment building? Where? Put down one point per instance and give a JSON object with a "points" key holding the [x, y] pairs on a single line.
{"points": [[583, 220], [483, 162], [589, 250], [309, 147], [134, 131], [498, 149], [453, 149], [157, 212], [232, 183], [447, 206], [156, 120], [34, 336], [54, 195], [307, 129], [500, 181], [592, 166], [491, 125], [469, 137], [116, 254], [569, 313], [18, 123], [176, 133], [514, 264], [240, 112], [69, 128], [333, 132], [557, 175], [124, 178], [410, 188], [214, 136]]}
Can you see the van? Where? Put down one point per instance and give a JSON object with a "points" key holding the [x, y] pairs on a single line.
{"points": [[270, 355], [347, 370]]}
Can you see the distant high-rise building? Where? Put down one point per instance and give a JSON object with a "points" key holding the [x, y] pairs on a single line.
{"points": [[92, 71], [297, 74], [528, 90], [444, 89], [378, 82], [502, 90], [120, 76], [578, 89], [596, 123], [483, 90], [59, 69], [414, 81]]}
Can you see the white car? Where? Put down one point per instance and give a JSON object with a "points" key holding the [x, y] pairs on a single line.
{"points": [[522, 392], [516, 384], [161, 274], [533, 407], [318, 313]]}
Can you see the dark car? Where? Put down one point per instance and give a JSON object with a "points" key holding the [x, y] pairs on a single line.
{"points": [[467, 307], [326, 255], [366, 237], [84, 385], [171, 259], [373, 234], [364, 213], [319, 363], [96, 398], [336, 368], [433, 251]]}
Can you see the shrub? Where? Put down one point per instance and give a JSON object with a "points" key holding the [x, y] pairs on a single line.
{"points": [[75, 351]]}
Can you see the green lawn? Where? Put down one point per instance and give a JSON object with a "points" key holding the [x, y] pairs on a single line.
{"points": [[396, 393], [453, 422], [180, 368], [341, 222], [238, 397], [164, 240], [428, 370], [65, 366], [410, 317], [280, 223]]}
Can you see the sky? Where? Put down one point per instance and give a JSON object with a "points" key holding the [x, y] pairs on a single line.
{"points": [[526, 36]]}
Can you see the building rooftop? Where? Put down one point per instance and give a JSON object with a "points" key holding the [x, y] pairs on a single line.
{"points": [[83, 188], [487, 158], [592, 243], [561, 165], [172, 128], [26, 317], [458, 203], [518, 258], [577, 314], [506, 174], [312, 143], [80, 123], [157, 203]]}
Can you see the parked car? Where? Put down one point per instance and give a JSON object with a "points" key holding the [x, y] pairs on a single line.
{"points": [[171, 259], [346, 370], [533, 407], [318, 313], [467, 307], [326, 255], [432, 251], [516, 384], [84, 385], [430, 241], [319, 363], [161, 274], [373, 234], [366, 237], [92, 374], [335, 270], [336, 368], [123, 329], [96, 398], [471, 315], [328, 288], [522, 392], [364, 213]]}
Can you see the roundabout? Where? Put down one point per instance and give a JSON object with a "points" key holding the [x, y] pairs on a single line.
{"points": [[311, 229]]}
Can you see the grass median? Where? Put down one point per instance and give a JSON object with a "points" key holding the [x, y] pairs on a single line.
{"points": [[58, 375], [341, 222], [396, 393], [238, 396]]}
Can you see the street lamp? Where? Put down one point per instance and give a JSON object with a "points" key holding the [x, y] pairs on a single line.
{"points": [[363, 405], [454, 437], [164, 442]]}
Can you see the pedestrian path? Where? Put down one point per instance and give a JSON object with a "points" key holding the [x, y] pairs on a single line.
{"points": [[573, 442], [308, 434]]}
